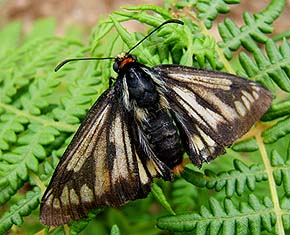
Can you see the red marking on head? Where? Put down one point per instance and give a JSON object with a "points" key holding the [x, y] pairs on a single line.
{"points": [[126, 61]]}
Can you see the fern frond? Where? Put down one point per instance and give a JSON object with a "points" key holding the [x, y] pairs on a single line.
{"points": [[255, 29], [279, 130], [282, 36], [115, 230], [233, 181], [248, 145], [208, 10], [281, 171], [184, 196], [285, 206], [161, 198], [21, 209], [227, 218], [266, 70], [16, 164], [280, 109]]}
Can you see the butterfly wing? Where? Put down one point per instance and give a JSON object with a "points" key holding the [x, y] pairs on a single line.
{"points": [[103, 165], [212, 109]]}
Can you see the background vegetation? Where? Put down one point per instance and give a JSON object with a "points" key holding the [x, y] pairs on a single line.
{"points": [[245, 191]]}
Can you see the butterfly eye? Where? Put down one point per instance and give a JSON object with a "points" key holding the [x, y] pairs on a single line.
{"points": [[134, 57], [116, 67]]}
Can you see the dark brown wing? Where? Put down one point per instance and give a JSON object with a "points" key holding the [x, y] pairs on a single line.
{"points": [[212, 108], [103, 165]]}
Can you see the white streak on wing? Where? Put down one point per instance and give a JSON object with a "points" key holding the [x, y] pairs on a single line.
{"points": [[255, 87], [142, 173], [126, 100], [74, 198], [206, 138], [246, 102], [227, 112], [151, 167], [49, 198], [213, 83], [255, 90], [197, 141], [141, 114], [191, 104], [65, 196], [56, 203], [240, 108], [210, 143], [102, 175], [155, 78], [248, 96], [81, 153], [255, 94], [86, 194], [120, 169], [129, 150]]}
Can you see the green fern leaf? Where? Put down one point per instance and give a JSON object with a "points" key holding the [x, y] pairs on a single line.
{"points": [[184, 196], [115, 230], [249, 145], [272, 69], [277, 110], [252, 217], [279, 130], [208, 10], [159, 195], [282, 171], [159, 10], [285, 205], [254, 29], [22, 208], [233, 181]]}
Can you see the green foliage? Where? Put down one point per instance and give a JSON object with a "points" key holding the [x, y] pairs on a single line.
{"points": [[241, 192], [225, 218]]}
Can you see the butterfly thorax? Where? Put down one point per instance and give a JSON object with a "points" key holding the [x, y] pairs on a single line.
{"points": [[141, 88]]}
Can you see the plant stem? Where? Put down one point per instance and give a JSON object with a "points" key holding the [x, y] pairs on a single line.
{"points": [[272, 185]]}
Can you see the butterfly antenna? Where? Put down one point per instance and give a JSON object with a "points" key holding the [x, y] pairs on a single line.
{"points": [[175, 21], [76, 59], [111, 58]]}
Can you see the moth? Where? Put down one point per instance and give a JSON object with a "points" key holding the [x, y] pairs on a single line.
{"points": [[141, 126]]}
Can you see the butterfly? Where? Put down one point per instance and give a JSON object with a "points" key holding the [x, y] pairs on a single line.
{"points": [[141, 126]]}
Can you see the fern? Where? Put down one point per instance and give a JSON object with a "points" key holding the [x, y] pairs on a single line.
{"points": [[245, 191], [255, 29], [233, 181], [251, 217], [18, 211]]}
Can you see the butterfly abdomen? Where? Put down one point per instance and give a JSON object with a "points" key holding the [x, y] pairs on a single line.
{"points": [[164, 138]]}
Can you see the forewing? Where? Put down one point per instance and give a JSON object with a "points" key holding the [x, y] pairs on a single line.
{"points": [[103, 165], [212, 108]]}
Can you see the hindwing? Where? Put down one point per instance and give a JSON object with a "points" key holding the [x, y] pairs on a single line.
{"points": [[212, 109], [103, 165]]}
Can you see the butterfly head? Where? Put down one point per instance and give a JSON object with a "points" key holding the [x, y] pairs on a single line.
{"points": [[122, 59]]}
